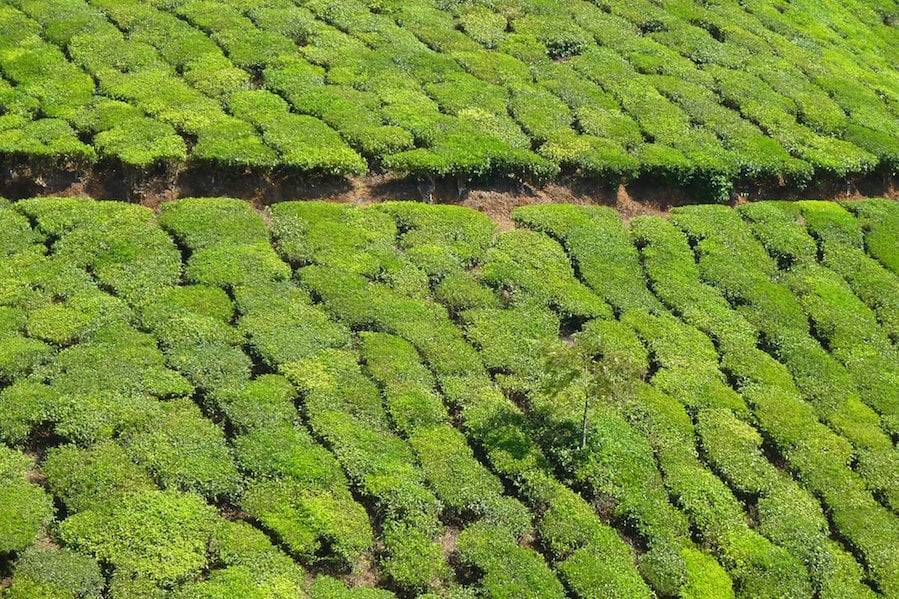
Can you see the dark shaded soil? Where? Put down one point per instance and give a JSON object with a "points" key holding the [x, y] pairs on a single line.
{"points": [[495, 197]]}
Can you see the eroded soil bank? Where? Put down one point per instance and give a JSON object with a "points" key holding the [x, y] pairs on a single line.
{"points": [[495, 197]]}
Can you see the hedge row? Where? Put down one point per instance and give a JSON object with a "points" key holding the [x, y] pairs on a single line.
{"points": [[600, 246], [730, 444], [617, 463], [879, 219], [344, 409], [743, 272], [462, 483], [574, 536], [695, 95], [813, 451]]}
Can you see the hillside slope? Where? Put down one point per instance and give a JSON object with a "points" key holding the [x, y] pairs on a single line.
{"points": [[695, 94], [330, 401]]}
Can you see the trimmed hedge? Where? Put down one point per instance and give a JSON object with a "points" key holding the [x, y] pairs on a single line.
{"points": [[160, 535], [93, 477], [534, 267], [57, 573], [25, 508], [599, 246]]}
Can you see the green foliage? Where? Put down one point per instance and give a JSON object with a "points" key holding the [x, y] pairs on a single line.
{"points": [[600, 246], [200, 223], [534, 267], [415, 561], [161, 535], [19, 355], [141, 143], [183, 450], [56, 573], [25, 508], [307, 519], [509, 570], [94, 477], [879, 219], [326, 587]]}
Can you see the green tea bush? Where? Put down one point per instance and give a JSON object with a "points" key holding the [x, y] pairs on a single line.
{"points": [[827, 221], [20, 355], [414, 560], [784, 238], [141, 142], [231, 265], [307, 519], [199, 223], [734, 450], [282, 325], [509, 570], [512, 341], [326, 587], [18, 234], [25, 508], [93, 477], [464, 234], [532, 266], [448, 464], [461, 291], [869, 280], [160, 535], [183, 450], [408, 387], [315, 232], [878, 219], [56, 573], [599, 246], [264, 402]]}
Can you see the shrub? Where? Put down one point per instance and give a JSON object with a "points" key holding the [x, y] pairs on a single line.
{"points": [[56, 573], [483, 25], [326, 587], [237, 543], [600, 246], [183, 450], [827, 221], [264, 402], [287, 451], [161, 535], [17, 232], [315, 232], [141, 142], [307, 520], [20, 355], [512, 341], [533, 266], [461, 291], [465, 233], [561, 37], [784, 239], [282, 325], [414, 561], [199, 300], [25, 509], [94, 477], [198, 223], [231, 265], [870, 281], [509, 570], [879, 220], [310, 145]]}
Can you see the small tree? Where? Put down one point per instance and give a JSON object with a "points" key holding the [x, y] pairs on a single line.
{"points": [[596, 378]]}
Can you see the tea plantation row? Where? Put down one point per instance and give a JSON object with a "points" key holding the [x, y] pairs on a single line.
{"points": [[693, 93], [328, 401]]}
